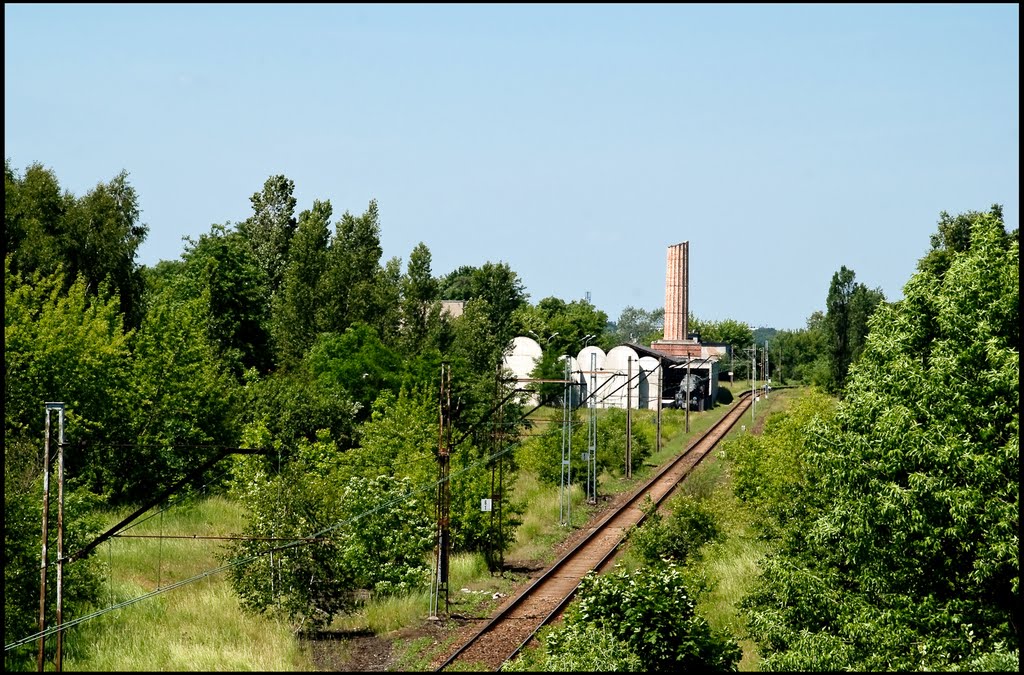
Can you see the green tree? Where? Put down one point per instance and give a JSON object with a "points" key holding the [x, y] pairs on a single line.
{"points": [[849, 306], [182, 402], [23, 515], [68, 347], [800, 355], [221, 270], [571, 325], [95, 236], [420, 294], [353, 262], [270, 228], [636, 325], [676, 537], [350, 533], [908, 558], [496, 284], [295, 320], [359, 363]]}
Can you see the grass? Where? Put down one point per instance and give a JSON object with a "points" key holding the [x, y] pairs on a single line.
{"points": [[200, 626]]}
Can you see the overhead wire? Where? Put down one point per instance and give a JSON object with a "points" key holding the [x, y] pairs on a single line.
{"points": [[299, 541]]}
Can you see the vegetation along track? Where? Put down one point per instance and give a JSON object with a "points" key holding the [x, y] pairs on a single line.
{"points": [[515, 623]]}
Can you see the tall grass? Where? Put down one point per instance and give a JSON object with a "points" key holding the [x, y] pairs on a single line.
{"points": [[201, 627], [198, 626]]}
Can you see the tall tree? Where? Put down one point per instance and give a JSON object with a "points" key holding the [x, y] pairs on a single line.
{"points": [[270, 229], [96, 236], [636, 325], [220, 269], [420, 306], [849, 305], [906, 555], [353, 263], [295, 322]]}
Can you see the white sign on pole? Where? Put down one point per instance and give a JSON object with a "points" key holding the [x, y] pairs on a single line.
{"points": [[485, 504]]}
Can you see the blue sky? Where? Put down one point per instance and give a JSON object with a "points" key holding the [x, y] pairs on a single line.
{"points": [[573, 142]]}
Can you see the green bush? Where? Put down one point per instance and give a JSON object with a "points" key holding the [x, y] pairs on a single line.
{"points": [[652, 614]]}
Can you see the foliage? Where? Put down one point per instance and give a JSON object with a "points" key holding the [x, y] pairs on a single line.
{"points": [[542, 454], [297, 405], [295, 308], [358, 362], [579, 648], [222, 272], [770, 470], [70, 348], [635, 325], [95, 236], [350, 279], [348, 534], [849, 306], [727, 331], [570, 325], [182, 401], [689, 525], [22, 531], [420, 305], [908, 556], [651, 613], [270, 229], [800, 355]]}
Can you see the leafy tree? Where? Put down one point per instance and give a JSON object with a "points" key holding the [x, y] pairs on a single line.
{"points": [[221, 270], [571, 325], [270, 229], [907, 558], [353, 263], [71, 348], [650, 612], [727, 331], [295, 318], [349, 534], [800, 355], [849, 306], [495, 283], [182, 401], [299, 405], [358, 362], [23, 515], [420, 294], [96, 236], [387, 298], [636, 325]]}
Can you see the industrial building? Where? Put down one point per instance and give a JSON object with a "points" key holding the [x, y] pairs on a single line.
{"points": [[676, 368]]}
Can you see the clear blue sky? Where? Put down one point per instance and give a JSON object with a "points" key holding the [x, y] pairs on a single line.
{"points": [[573, 142]]}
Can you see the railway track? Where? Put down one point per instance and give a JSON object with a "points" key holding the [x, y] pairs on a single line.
{"points": [[518, 620]]}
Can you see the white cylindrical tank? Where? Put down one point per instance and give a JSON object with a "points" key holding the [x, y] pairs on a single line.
{"points": [[650, 383], [618, 363]]}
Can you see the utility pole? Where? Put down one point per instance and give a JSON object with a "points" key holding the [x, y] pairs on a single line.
{"points": [[440, 580], [661, 374], [687, 388], [753, 383], [629, 417], [60, 536], [592, 432], [565, 492]]}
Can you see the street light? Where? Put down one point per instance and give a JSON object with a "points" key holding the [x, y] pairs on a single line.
{"points": [[587, 339]]}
